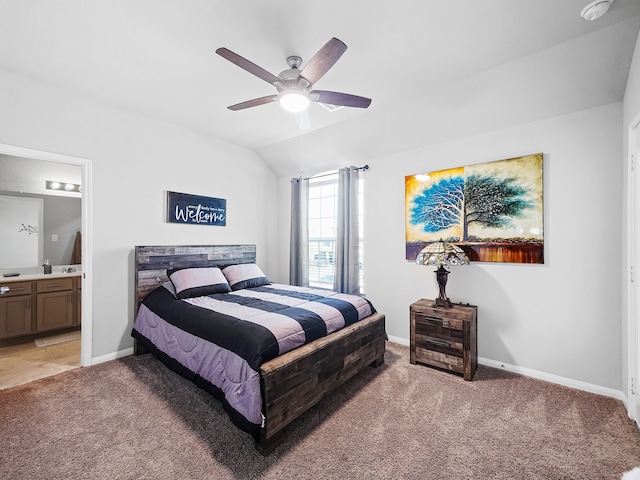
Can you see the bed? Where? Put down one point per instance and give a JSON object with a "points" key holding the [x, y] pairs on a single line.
{"points": [[262, 390]]}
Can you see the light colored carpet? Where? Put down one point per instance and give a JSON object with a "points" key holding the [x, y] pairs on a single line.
{"points": [[133, 418], [55, 339]]}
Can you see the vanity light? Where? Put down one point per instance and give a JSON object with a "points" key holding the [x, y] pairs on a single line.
{"points": [[67, 187]]}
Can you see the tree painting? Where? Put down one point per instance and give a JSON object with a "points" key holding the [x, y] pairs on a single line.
{"points": [[494, 208]]}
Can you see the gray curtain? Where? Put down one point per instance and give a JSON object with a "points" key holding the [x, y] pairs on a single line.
{"points": [[299, 235], [347, 258]]}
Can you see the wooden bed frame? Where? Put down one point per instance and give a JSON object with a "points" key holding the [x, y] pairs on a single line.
{"points": [[291, 383]]}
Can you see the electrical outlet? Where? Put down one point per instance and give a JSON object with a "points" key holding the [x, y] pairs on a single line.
{"points": [[54, 238]]}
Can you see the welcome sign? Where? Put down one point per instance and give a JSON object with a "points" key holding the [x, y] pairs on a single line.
{"points": [[195, 209]]}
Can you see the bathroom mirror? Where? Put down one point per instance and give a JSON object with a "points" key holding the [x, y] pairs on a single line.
{"points": [[21, 232], [37, 223]]}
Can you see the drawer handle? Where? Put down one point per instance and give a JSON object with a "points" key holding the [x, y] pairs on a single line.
{"points": [[54, 285], [442, 343]]}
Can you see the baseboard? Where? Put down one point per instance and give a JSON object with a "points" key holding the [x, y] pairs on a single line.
{"points": [[112, 356], [547, 377], [400, 340]]}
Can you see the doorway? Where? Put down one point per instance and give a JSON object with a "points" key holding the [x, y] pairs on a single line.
{"points": [[633, 238], [86, 228]]}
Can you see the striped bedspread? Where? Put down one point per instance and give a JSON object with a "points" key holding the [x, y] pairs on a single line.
{"points": [[224, 338]]}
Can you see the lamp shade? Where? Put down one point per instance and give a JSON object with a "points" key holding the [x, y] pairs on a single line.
{"points": [[442, 253]]}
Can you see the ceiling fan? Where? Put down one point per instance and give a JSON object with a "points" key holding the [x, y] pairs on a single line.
{"points": [[295, 86]]}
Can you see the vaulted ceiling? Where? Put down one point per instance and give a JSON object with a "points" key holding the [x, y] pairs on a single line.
{"points": [[436, 70]]}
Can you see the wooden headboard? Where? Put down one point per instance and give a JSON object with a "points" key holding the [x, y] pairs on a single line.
{"points": [[152, 262]]}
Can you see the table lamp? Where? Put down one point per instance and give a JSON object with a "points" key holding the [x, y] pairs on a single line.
{"points": [[442, 254]]}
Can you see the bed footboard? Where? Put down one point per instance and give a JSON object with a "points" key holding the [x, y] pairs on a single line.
{"points": [[297, 380]]}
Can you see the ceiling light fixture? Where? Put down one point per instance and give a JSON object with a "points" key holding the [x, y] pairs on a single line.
{"points": [[294, 100], [596, 9]]}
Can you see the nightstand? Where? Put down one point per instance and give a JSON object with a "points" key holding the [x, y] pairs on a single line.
{"points": [[445, 338]]}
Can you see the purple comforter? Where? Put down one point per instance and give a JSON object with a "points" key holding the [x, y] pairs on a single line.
{"points": [[224, 338]]}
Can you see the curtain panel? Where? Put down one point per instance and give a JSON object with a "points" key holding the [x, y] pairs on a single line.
{"points": [[347, 256], [299, 235]]}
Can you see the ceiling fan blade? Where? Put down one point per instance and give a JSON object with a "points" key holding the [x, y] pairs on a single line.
{"points": [[247, 65], [253, 103], [323, 60], [341, 99]]}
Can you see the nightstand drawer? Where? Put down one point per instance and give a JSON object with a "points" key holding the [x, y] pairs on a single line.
{"points": [[434, 322], [449, 346], [443, 328], [440, 360]]}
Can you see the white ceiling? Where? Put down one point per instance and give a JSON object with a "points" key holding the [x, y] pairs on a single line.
{"points": [[436, 70]]}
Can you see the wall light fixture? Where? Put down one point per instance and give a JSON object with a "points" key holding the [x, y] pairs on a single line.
{"points": [[63, 186]]}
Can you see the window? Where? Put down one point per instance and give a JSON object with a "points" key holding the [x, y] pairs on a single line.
{"points": [[323, 215]]}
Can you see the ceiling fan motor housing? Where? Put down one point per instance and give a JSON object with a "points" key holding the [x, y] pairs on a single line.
{"points": [[290, 79]]}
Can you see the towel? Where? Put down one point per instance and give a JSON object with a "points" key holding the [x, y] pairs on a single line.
{"points": [[76, 254]]}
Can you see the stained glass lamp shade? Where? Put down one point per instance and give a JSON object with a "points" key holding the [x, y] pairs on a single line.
{"points": [[442, 254]]}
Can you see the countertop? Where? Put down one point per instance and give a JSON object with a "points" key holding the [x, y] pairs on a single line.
{"points": [[36, 276]]}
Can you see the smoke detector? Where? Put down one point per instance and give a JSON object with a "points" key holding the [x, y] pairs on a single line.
{"points": [[596, 9]]}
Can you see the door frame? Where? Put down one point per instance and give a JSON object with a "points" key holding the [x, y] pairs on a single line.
{"points": [[87, 235], [632, 275]]}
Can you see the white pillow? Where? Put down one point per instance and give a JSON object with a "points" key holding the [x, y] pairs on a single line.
{"points": [[245, 275], [198, 282]]}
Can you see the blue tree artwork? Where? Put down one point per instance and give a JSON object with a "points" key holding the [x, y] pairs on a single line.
{"points": [[492, 210]]}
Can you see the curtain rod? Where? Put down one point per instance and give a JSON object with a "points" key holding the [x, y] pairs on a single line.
{"points": [[365, 168]]}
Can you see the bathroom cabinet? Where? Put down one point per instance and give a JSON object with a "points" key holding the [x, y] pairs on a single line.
{"points": [[29, 309]]}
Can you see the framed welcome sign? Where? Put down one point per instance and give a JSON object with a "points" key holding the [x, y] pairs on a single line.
{"points": [[195, 209]]}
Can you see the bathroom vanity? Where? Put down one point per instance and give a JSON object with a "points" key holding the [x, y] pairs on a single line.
{"points": [[37, 305]]}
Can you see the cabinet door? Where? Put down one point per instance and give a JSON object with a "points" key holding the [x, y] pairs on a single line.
{"points": [[78, 292], [15, 316], [55, 310]]}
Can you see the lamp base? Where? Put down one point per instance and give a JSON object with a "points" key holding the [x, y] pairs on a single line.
{"points": [[442, 302], [441, 277]]}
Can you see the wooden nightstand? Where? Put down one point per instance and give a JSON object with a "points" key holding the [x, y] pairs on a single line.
{"points": [[445, 337]]}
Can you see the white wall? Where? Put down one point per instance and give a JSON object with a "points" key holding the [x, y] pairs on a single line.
{"points": [[561, 318], [135, 160]]}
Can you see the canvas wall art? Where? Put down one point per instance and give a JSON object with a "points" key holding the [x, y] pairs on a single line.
{"points": [[493, 211]]}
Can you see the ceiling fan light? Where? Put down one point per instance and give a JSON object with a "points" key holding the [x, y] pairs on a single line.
{"points": [[294, 101]]}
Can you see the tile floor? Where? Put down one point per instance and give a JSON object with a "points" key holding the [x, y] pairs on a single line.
{"points": [[25, 363]]}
